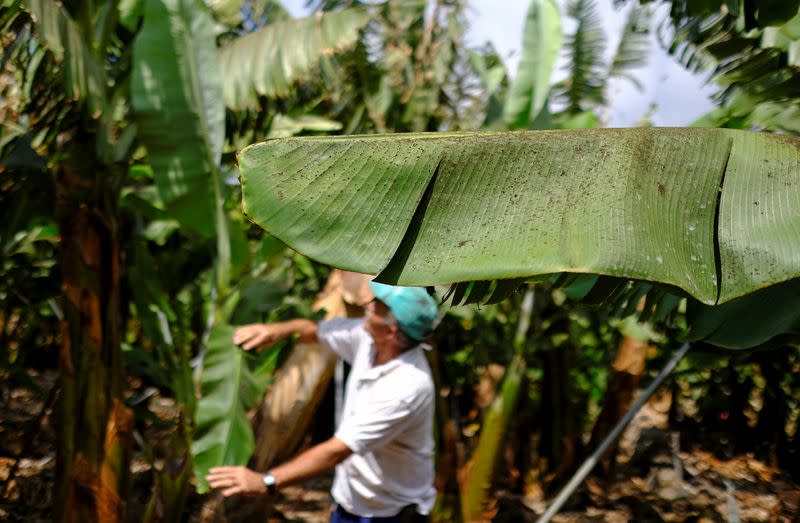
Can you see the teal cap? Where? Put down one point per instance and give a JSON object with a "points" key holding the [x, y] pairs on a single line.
{"points": [[413, 308]]}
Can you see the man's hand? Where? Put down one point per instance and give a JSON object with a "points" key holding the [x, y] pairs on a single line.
{"points": [[259, 335], [236, 480]]}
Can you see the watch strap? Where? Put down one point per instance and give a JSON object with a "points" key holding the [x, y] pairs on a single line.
{"points": [[269, 482]]}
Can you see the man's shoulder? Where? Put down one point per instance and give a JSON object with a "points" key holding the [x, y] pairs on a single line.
{"points": [[411, 380]]}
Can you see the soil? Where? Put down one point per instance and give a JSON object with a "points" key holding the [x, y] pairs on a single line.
{"points": [[652, 481]]}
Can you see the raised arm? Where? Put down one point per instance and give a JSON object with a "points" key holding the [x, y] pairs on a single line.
{"points": [[262, 335]]}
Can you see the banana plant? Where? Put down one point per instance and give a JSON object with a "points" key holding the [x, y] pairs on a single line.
{"points": [[492, 210], [66, 95], [541, 45], [190, 84], [752, 53], [97, 80], [476, 486]]}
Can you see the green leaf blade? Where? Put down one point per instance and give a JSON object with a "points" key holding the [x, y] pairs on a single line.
{"points": [[177, 100], [541, 45], [333, 192], [268, 61], [223, 435], [629, 203], [84, 76]]}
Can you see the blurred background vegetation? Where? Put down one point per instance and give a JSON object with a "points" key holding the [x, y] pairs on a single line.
{"points": [[126, 258]]}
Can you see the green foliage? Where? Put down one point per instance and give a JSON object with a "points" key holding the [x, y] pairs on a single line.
{"points": [[491, 72], [29, 287], [541, 44], [585, 84], [223, 435], [409, 71], [588, 73], [268, 61], [84, 77], [164, 324], [749, 321], [751, 50], [633, 46], [401, 68], [448, 213], [177, 98], [493, 433]]}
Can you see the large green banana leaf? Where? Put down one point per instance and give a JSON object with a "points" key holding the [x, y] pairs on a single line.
{"points": [[715, 212], [177, 100], [541, 44], [84, 77], [268, 61], [229, 389]]}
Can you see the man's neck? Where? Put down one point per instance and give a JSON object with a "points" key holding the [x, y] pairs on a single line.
{"points": [[386, 353]]}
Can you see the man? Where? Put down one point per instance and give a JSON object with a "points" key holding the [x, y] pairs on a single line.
{"points": [[383, 448]]}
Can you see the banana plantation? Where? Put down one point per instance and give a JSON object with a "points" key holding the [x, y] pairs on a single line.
{"points": [[619, 309]]}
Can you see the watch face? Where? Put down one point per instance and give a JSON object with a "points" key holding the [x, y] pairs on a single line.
{"points": [[269, 482]]}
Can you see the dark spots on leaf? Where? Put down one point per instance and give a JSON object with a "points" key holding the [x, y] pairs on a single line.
{"points": [[755, 203], [563, 173], [463, 243], [661, 189], [791, 140]]}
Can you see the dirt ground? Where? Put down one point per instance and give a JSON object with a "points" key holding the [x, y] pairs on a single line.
{"points": [[653, 483]]}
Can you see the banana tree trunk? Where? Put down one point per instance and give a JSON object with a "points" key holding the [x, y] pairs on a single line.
{"points": [[288, 408], [627, 370], [301, 382], [94, 426]]}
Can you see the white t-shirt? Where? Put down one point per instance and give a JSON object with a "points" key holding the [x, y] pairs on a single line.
{"points": [[388, 424]]}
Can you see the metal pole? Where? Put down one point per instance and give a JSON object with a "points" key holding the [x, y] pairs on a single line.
{"points": [[590, 463]]}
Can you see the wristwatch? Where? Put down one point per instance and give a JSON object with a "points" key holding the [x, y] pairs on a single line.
{"points": [[269, 482]]}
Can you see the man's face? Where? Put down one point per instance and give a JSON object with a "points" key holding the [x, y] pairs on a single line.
{"points": [[376, 321]]}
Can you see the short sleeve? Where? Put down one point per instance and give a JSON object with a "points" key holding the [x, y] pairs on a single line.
{"points": [[378, 423], [342, 336]]}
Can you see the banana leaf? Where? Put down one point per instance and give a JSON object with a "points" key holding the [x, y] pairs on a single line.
{"points": [[268, 61], [223, 435], [84, 77], [710, 211], [177, 100], [767, 317], [541, 45]]}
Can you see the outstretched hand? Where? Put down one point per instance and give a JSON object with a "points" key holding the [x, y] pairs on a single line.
{"points": [[236, 480], [258, 336]]}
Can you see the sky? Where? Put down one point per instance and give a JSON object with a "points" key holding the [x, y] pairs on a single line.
{"points": [[679, 96]]}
